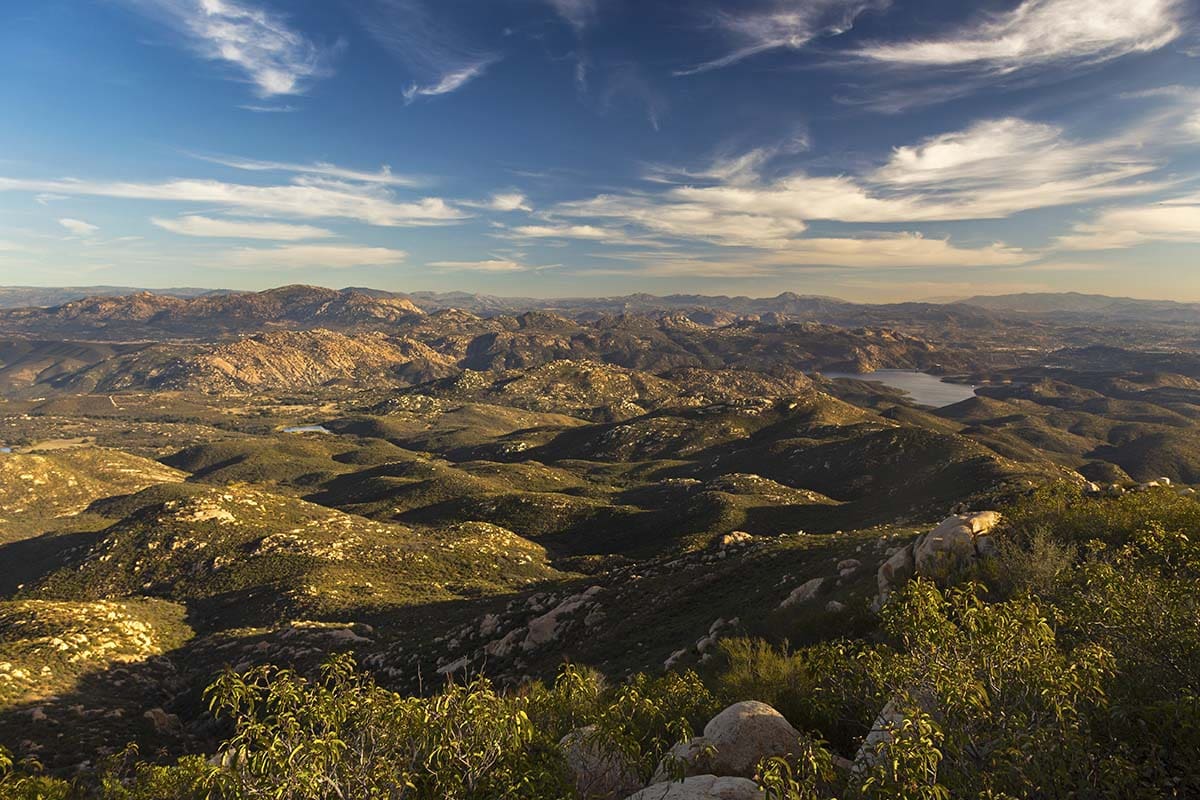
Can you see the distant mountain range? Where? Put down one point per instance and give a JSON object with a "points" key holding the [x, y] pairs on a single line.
{"points": [[106, 305], [45, 296], [1076, 303]]}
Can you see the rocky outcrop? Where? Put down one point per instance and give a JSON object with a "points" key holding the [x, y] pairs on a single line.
{"points": [[599, 771], [803, 593], [952, 546], [703, 787], [734, 742], [878, 738]]}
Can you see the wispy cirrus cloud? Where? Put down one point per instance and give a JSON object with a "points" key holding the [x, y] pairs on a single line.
{"points": [[991, 170], [78, 227], [305, 198], [1039, 33], [1033, 42], [781, 25], [1183, 109], [504, 202], [871, 250], [997, 167], [492, 265], [276, 58], [438, 59], [579, 14], [560, 231], [383, 175], [208, 227], [311, 256], [261, 109], [1175, 221], [448, 82]]}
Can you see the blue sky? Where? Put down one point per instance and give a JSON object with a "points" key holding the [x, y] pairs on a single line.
{"points": [[870, 149]]}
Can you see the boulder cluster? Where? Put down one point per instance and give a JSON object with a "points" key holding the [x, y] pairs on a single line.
{"points": [[718, 765], [958, 542]]}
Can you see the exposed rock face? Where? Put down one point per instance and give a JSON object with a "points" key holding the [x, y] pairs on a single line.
{"points": [[875, 747], [702, 787], [894, 572], [879, 736], [952, 544], [735, 741], [803, 593], [956, 543], [733, 539], [600, 772]]}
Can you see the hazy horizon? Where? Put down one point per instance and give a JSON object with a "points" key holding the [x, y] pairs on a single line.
{"points": [[872, 150], [533, 295]]}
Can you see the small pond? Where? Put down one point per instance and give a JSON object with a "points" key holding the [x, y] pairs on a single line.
{"points": [[924, 389]]}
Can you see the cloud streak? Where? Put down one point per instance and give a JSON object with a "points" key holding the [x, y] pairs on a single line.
{"points": [[906, 250], [313, 256], [782, 25], [449, 82], [991, 170], [384, 176], [439, 61], [1044, 32], [579, 14], [274, 57], [196, 225], [1175, 221], [304, 199], [494, 265], [78, 227]]}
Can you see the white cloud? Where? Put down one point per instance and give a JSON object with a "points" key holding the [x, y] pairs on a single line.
{"points": [[307, 198], [1119, 228], [1191, 125], [993, 169], [898, 250], [258, 109], [868, 251], [448, 82], [78, 227], [1178, 123], [277, 59], [783, 24], [383, 175], [712, 215], [509, 201], [438, 59], [312, 256], [1043, 32], [590, 233], [997, 167], [490, 265], [578, 13], [196, 225]]}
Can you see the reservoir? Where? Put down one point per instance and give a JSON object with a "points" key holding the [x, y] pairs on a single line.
{"points": [[923, 389], [307, 429]]}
